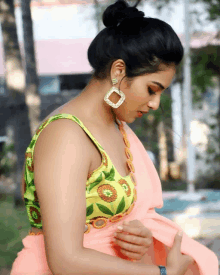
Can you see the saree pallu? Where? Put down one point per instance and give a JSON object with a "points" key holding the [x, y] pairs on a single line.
{"points": [[31, 260]]}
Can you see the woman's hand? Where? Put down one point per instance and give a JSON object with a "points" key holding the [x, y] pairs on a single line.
{"points": [[135, 244], [177, 263]]}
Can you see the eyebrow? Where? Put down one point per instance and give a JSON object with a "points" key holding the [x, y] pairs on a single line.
{"points": [[159, 84]]}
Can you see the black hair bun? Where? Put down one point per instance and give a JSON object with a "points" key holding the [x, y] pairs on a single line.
{"points": [[115, 13]]}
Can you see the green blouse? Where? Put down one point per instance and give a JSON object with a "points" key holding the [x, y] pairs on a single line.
{"points": [[109, 196]]}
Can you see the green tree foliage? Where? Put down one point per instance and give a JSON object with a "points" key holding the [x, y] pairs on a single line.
{"points": [[204, 67]]}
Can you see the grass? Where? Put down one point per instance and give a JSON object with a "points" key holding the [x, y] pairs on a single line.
{"points": [[14, 226]]}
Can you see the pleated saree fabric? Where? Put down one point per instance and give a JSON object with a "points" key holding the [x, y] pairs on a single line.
{"points": [[31, 260]]}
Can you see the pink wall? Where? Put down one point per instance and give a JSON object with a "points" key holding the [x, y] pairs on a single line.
{"points": [[59, 56]]}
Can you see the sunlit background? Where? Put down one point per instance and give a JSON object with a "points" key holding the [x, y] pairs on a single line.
{"points": [[58, 70]]}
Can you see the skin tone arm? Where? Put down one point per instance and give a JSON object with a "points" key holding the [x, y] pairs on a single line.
{"points": [[61, 170], [90, 261]]}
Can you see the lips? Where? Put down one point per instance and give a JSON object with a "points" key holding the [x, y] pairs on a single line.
{"points": [[142, 112]]}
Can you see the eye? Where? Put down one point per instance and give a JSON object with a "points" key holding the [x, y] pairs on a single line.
{"points": [[151, 92]]}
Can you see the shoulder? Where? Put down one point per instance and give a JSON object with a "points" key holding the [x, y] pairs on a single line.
{"points": [[59, 133], [61, 128]]}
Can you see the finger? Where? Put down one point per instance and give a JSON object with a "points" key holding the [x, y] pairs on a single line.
{"points": [[141, 231], [131, 255], [146, 242], [133, 222], [131, 247], [177, 241], [189, 259]]}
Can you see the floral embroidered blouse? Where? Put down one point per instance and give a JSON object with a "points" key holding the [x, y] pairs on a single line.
{"points": [[109, 196]]}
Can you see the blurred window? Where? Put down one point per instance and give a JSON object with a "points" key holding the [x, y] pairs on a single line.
{"points": [[49, 85], [152, 157], [2, 85], [74, 81], [211, 97]]}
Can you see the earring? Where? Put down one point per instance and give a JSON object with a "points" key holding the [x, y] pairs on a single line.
{"points": [[114, 81], [114, 89]]}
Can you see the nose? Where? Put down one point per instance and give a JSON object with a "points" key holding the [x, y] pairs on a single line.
{"points": [[154, 103]]}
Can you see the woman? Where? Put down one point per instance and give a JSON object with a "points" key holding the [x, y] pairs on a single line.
{"points": [[137, 58]]}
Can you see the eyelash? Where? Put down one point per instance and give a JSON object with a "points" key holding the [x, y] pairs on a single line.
{"points": [[151, 92]]}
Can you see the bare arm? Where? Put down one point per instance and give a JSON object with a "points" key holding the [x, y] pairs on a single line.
{"points": [[89, 261], [62, 158]]}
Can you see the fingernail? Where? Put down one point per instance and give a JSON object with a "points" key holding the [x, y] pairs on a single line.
{"points": [[180, 233], [120, 227]]}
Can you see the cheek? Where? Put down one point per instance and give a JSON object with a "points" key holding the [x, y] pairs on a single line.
{"points": [[134, 98], [137, 99], [138, 93]]}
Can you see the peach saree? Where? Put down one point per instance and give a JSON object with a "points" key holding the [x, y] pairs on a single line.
{"points": [[31, 260]]}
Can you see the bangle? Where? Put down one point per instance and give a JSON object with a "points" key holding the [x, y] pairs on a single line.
{"points": [[163, 270]]}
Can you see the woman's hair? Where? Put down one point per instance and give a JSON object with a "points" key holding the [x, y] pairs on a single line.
{"points": [[143, 43]]}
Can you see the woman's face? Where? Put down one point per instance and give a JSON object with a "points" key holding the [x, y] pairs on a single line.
{"points": [[143, 94]]}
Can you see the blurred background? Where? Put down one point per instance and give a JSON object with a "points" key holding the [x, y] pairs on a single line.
{"points": [[43, 64]]}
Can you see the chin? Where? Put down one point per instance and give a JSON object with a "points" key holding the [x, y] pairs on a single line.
{"points": [[128, 121]]}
